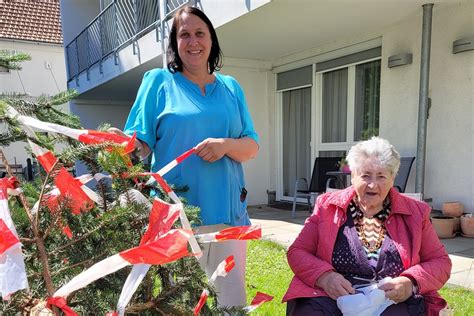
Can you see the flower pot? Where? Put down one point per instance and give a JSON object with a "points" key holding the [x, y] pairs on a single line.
{"points": [[457, 224], [467, 225], [444, 226], [453, 209]]}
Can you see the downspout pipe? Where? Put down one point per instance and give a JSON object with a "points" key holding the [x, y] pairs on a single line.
{"points": [[423, 98]]}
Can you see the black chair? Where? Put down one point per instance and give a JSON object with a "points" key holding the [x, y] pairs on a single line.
{"points": [[318, 180], [401, 179]]}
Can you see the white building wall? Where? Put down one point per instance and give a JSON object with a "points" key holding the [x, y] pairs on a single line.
{"points": [[44, 74], [253, 77], [449, 148], [94, 113]]}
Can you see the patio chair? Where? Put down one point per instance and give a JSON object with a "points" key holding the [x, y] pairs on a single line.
{"points": [[403, 173], [318, 181]]}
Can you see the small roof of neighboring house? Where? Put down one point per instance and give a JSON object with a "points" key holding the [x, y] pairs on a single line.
{"points": [[38, 21]]}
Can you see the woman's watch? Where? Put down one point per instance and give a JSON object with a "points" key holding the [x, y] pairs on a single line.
{"points": [[414, 288]]}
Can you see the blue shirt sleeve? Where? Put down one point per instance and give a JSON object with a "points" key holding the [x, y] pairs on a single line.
{"points": [[248, 129], [143, 115]]}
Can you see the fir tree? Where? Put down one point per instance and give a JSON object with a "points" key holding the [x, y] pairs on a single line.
{"points": [[52, 259]]}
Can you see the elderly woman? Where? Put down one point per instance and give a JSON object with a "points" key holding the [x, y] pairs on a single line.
{"points": [[363, 234]]}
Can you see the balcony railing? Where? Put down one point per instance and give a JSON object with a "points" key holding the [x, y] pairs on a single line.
{"points": [[121, 23]]}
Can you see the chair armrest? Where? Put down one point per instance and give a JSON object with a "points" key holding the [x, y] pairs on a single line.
{"points": [[297, 183], [328, 183]]}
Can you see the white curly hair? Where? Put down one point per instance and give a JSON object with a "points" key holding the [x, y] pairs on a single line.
{"points": [[378, 148]]}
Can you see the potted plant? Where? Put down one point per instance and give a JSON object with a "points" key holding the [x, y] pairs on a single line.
{"points": [[343, 166]]}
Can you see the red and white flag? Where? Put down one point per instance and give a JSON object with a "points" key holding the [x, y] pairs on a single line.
{"points": [[222, 270], [12, 267], [258, 300], [232, 233]]}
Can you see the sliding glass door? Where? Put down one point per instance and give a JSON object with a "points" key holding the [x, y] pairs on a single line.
{"points": [[296, 134]]}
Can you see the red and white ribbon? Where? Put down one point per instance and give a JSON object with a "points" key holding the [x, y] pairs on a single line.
{"points": [[232, 233], [258, 300], [171, 165], [82, 135], [60, 302], [12, 267], [81, 197], [182, 215], [201, 302], [162, 217], [168, 248], [222, 270]]}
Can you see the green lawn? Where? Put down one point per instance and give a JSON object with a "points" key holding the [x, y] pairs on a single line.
{"points": [[268, 272]]}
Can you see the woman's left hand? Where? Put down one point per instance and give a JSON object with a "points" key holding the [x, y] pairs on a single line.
{"points": [[398, 289], [211, 149]]}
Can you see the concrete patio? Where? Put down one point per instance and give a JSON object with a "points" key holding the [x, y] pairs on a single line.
{"points": [[277, 225]]}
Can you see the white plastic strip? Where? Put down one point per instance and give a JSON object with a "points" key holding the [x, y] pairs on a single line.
{"points": [[134, 279], [97, 271], [12, 265]]}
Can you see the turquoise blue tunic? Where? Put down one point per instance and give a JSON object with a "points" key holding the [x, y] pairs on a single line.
{"points": [[171, 115]]}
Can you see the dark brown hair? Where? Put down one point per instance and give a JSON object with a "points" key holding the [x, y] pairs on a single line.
{"points": [[174, 61]]}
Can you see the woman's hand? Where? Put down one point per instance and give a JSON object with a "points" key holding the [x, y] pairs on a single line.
{"points": [[211, 149], [238, 149], [142, 148], [334, 284], [398, 289]]}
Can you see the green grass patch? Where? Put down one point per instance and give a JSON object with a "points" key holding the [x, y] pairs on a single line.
{"points": [[460, 299], [268, 272]]}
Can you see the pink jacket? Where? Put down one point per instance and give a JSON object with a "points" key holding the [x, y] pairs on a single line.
{"points": [[408, 224]]}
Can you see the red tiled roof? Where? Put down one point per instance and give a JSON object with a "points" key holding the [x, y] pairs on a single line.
{"points": [[31, 20]]}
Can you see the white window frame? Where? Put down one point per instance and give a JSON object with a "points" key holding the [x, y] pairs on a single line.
{"points": [[351, 84]]}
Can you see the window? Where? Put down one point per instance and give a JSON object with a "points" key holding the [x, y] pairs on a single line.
{"points": [[367, 100], [349, 101]]}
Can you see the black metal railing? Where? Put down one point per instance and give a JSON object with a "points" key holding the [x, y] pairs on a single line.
{"points": [[120, 23]]}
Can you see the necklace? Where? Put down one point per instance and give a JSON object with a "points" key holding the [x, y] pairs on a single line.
{"points": [[362, 232], [371, 230]]}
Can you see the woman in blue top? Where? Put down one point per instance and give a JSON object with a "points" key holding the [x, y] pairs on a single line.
{"points": [[189, 105]]}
